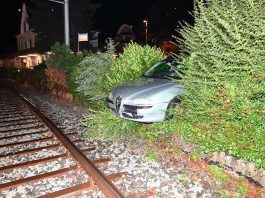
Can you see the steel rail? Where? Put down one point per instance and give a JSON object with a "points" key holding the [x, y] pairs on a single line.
{"points": [[101, 180]]}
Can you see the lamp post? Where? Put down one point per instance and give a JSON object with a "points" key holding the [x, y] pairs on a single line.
{"points": [[66, 20], [146, 24]]}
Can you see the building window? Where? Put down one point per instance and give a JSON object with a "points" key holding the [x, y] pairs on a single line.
{"points": [[30, 43], [26, 45]]}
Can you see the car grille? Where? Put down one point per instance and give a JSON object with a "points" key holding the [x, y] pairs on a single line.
{"points": [[131, 111]]}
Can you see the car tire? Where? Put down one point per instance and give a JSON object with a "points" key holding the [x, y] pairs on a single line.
{"points": [[172, 104]]}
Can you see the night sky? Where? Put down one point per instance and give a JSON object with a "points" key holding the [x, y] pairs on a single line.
{"points": [[9, 20], [163, 17]]}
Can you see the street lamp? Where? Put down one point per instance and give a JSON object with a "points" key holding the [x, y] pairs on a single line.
{"points": [[146, 24], [66, 20]]}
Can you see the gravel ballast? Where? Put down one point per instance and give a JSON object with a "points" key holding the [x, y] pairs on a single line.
{"points": [[156, 178]]}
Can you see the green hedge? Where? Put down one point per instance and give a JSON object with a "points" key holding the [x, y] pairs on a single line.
{"points": [[131, 64], [224, 65], [63, 58], [35, 77]]}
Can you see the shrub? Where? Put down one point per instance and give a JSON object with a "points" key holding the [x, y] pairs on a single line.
{"points": [[21, 74], [131, 64], [224, 65], [60, 65], [7, 72], [90, 73], [13, 73], [102, 123], [57, 79], [34, 77], [78, 97], [62, 58], [38, 78]]}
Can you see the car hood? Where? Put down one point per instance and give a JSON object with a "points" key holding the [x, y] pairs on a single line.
{"points": [[143, 88]]}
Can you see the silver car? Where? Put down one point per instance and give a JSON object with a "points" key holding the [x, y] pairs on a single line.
{"points": [[147, 98]]}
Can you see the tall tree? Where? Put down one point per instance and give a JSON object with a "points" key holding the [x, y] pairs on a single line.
{"points": [[47, 20]]}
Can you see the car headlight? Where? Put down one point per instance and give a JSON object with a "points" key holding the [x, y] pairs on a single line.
{"points": [[138, 102]]}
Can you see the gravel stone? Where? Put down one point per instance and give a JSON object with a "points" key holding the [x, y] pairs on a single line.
{"points": [[162, 179]]}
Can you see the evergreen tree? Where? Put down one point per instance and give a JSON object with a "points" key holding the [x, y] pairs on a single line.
{"points": [[47, 20], [223, 59]]}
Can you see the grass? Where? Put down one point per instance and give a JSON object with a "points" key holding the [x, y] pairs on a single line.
{"points": [[151, 154], [224, 193], [183, 178], [218, 174], [102, 123], [195, 155], [242, 187], [236, 187]]}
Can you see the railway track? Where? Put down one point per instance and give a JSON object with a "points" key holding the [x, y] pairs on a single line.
{"points": [[38, 160]]}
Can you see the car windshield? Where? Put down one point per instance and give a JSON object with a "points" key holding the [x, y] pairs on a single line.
{"points": [[162, 69]]}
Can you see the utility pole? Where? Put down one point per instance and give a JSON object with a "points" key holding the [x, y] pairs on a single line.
{"points": [[146, 33], [66, 23], [66, 20]]}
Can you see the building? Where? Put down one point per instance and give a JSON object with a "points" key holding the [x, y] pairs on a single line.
{"points": [[26, 38], [124, 35], [26, 55]]}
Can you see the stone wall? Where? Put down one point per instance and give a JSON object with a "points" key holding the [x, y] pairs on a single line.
{"points": [[247, 169]]}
